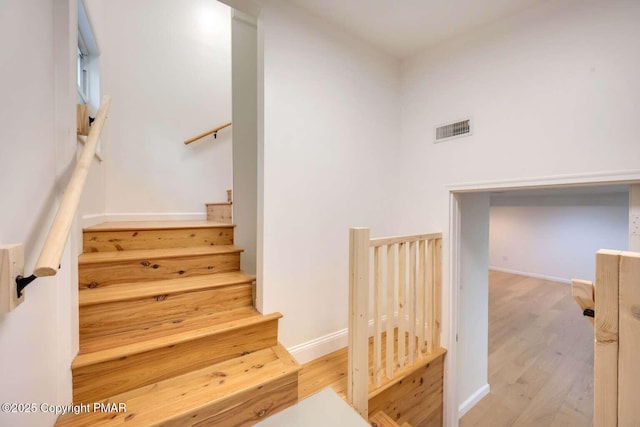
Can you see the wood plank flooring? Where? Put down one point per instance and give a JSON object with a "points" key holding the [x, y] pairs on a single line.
{"points": [[540, 357]]}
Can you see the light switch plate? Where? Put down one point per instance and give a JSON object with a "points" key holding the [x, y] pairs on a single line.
{"points": [[11, 266], [635, 225]]}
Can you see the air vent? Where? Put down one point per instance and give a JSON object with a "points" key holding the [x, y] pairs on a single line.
{"points": [[453, 130]]}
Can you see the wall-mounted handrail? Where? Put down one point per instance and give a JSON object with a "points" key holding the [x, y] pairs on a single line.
{"points": [[213, 131], [407, 289], [51, 254]]}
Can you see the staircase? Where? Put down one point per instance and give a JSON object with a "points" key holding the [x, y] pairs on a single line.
{"points": [[168, 327]]}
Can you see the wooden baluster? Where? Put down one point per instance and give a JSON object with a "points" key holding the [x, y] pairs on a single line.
{"points": [[437, 293], [431, 302], [391, 272], [420, 301], [358, 369], [377, 318], [402, 283], [605, 385], [412, 303]]}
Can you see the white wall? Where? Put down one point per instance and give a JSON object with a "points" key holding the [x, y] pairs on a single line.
{"points": [[37, 130], [634, 217], [473, 329], [331, 122], [244, 38], [556, 237], [167, 66], [551, 93]]}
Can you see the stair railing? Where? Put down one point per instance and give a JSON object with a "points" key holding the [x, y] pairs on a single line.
{"points": [[53, 247], [213, 131], [406, 287], [613, 305]]}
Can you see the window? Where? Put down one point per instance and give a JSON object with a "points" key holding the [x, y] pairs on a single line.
{"points": [[83, 71]]}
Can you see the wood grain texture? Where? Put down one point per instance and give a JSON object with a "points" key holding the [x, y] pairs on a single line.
{"points": [[131, 370], [540, 357], [82, 119], [146, 316], [232, 392], [207, 133], [331, 371], [402, 302], [377, 317], [357, 382], [629, 350], [127, 240], [381, 419], [220, 212], [606, 329], [390, 312], [56, 240], [106, 268], [138, 290], [383, 241], [417, 399], [582, 291], [437, 297]]}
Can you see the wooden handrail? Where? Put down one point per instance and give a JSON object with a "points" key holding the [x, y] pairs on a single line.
{"points": [[207, 133], [51, 254]]}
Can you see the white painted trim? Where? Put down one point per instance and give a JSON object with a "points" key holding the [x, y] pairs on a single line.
{"points": [[569, 180], [165, 216], [451, 409], [250, 7], [91, 220], [318, 347], [476, 397], [537, 276]]}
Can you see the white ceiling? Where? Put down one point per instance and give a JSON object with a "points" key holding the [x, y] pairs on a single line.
{"points": [[405, 27]]}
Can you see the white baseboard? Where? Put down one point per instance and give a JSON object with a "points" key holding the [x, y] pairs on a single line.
{"points": [[537, 276], [472, 400], [91, 220], [320, 346]]}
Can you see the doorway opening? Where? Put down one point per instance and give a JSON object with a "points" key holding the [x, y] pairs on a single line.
{"points": [[472, 297]]}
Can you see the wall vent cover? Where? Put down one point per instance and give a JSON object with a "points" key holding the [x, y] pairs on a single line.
{"points": [[453, 130]]}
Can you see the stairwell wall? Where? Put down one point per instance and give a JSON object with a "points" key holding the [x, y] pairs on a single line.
{"points": [[37, 153], [331, 123], [167, 66], [552, 92]]}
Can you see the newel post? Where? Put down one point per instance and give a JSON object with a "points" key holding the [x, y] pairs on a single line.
{"points": [[358, 375]]}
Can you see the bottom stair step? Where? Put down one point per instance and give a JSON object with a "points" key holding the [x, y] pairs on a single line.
{"points": [[382, 419], [238, 392]]}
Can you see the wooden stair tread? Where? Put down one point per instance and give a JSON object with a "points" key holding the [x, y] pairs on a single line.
{"points": [[120, 256], [143, 339], [151, 225], [136, 290], [183, 396], [382, 419]]}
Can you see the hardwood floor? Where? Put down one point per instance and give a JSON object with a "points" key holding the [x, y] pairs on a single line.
{"points": [[540, 357]]}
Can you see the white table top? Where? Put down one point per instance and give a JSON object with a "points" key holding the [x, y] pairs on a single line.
{"points": [[323, 409]]}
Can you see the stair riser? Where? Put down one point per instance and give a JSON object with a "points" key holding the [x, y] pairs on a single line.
{"points": [[104, 274], [112, 241], [122, 316], [245, 409], [417, 398], [94, 382]]}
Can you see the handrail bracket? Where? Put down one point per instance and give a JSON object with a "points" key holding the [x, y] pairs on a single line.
{"points": [[22, 282]]}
